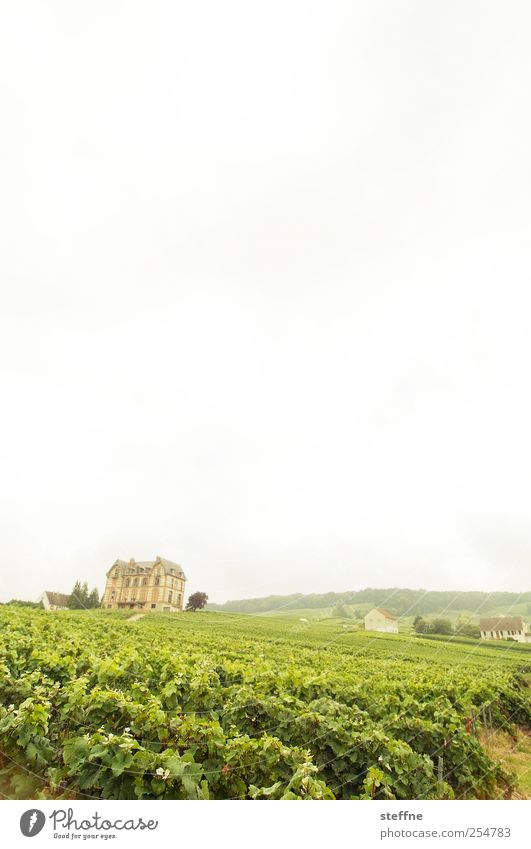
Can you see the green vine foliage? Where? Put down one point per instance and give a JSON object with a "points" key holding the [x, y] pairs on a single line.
{"points": [[217, 706]]}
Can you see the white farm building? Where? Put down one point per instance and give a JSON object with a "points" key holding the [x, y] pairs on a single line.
{"points": [[505, 628], [379, 619], [54, 601]]}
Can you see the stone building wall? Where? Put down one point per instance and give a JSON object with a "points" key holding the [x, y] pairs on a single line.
{"points": [[146, 585]]}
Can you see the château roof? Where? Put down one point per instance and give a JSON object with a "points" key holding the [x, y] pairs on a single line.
{"points": [[501, 623], [140, 567]]}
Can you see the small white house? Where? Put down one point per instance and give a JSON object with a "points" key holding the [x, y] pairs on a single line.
{"points": [[379, 619], [54, 601], [505, 628]]}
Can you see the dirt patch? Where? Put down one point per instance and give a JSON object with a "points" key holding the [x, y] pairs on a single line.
{"points": [[135, 616]]}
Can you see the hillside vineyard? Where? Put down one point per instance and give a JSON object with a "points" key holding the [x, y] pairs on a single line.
{"points": [[219, 706]]}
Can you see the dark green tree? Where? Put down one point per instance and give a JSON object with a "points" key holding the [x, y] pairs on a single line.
{"points": [[84, 595], [74, 602], [196, 601], [94, 598], [441, 626], [81, 599]]}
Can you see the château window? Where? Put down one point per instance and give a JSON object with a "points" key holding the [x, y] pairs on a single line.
{"points": [[127, 582], [157, 581], [170, 596], [135, 582], [153, 605], [144, 582]]}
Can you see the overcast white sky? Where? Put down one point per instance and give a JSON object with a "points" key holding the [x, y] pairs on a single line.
{"points": [[265, 293]]}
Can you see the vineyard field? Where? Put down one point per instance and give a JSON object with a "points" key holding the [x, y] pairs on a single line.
{"points": [[213, 705]]}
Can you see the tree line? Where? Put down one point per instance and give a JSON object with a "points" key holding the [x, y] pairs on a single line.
{"points": [[401, 602], [444, 626]]}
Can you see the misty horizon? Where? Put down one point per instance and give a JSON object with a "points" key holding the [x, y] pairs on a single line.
{"points": [[198, 586]]}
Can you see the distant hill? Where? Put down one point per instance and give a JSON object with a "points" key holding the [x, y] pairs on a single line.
{"points": [[402, 602]]}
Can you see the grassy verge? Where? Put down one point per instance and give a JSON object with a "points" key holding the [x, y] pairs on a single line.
{"points": [[514, 755]]}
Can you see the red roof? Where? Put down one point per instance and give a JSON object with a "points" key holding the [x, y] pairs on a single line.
{"points": [[385, 613]]}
